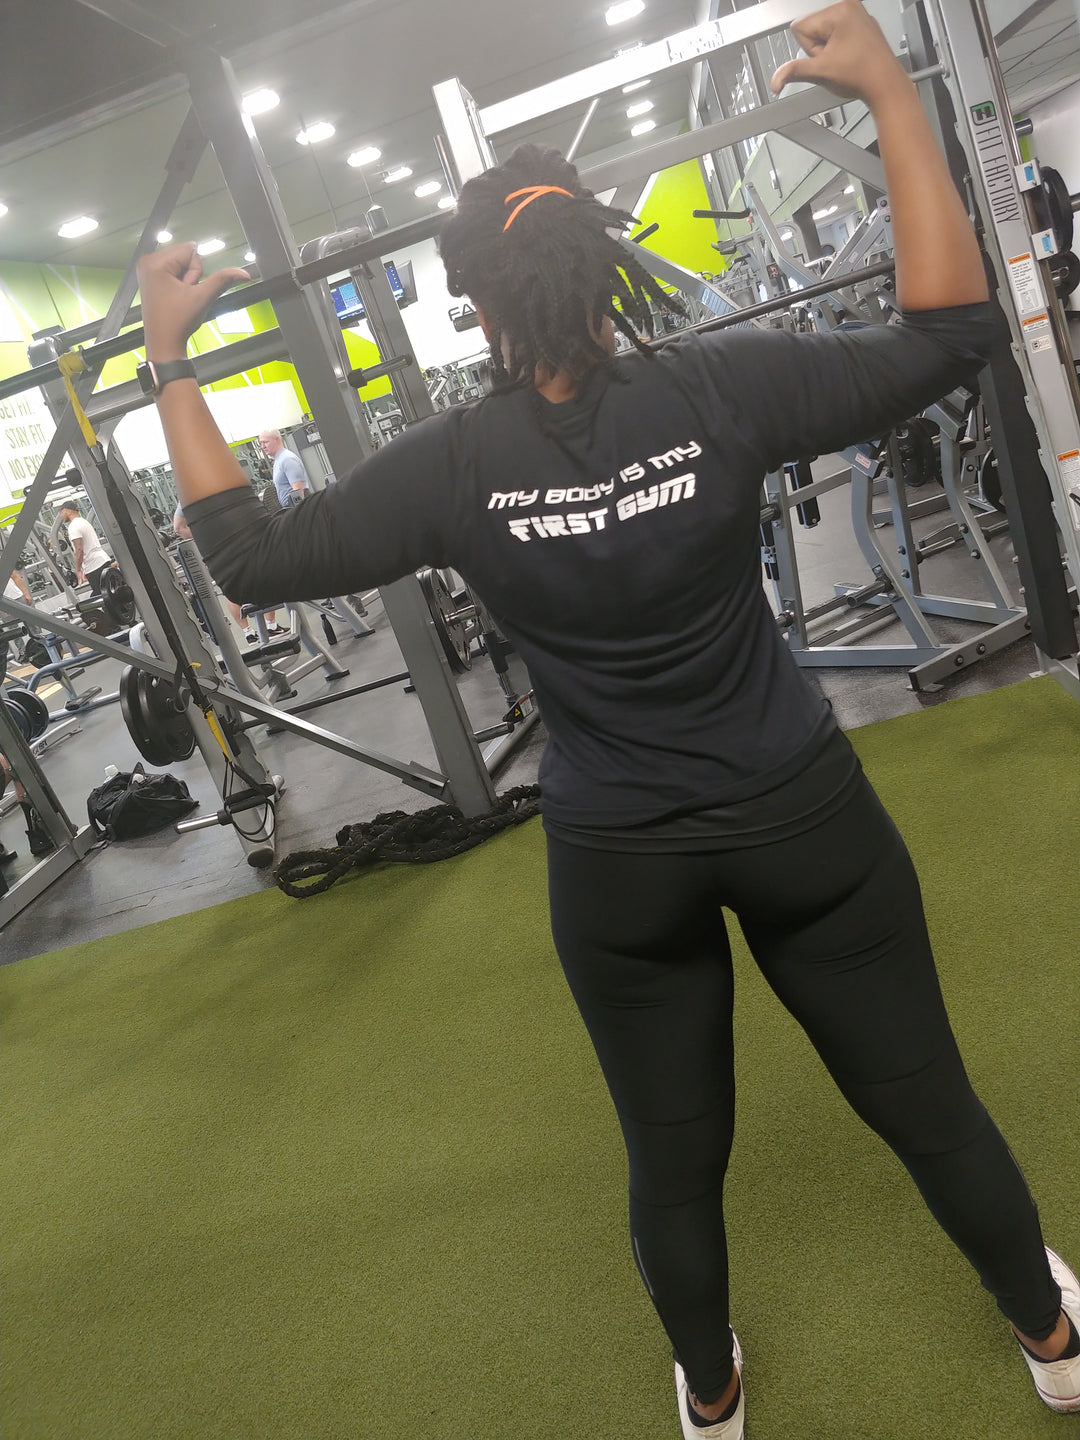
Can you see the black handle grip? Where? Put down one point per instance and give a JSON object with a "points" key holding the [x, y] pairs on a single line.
{"points": [[721, 214]]}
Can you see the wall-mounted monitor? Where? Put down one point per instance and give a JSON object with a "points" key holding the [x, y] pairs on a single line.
{"points": [[347, 302], [401, 282]]}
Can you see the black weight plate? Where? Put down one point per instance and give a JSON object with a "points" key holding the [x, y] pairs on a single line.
{"points": [[19, 715], [110, 580], [917, 452], [121, 606], [1060, 206], [452, 634], [1066, 270], [14, 701], [136, 720], [37, 712], [166, 723], [117, 596]]}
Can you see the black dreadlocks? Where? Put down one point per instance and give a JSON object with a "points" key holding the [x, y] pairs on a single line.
{"points": [[557, 268]]}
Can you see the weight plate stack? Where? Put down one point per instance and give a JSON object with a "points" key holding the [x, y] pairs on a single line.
{"points": [[173, 727], [149, 746], [118, 598], [452, 632], [32, 706], [1059, 205], [21, 718]]}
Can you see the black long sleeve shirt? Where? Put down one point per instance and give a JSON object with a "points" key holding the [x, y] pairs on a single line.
{"points": [[615, 539]]}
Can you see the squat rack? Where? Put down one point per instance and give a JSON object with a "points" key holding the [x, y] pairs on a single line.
{"points": [[309, 335], [1030, 386]]}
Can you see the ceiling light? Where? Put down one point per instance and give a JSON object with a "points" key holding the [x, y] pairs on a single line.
{"points": [[824, 214], [365, 156], [259, 101], [429, 187], [164, 237], [321, 130], [393, 176], [210, 247], [643, 127], [447, 202], [625, 10], [72, 229], [249, 257], [639, 107], [3, 208], [635, 85], [849, 189]]}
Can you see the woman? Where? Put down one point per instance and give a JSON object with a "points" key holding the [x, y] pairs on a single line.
{"points": [[607, 511]]}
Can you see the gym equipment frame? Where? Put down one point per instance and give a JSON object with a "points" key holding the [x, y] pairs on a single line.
{"points": [[951, 49], [310, 336]]}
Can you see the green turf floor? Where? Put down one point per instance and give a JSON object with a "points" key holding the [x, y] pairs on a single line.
{"points": [[286, 1170]]}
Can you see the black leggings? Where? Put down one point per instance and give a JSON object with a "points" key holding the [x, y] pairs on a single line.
{"points": [[842, 941]]}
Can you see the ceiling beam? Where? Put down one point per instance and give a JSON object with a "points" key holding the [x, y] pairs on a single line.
{"points": [[133, 17]]}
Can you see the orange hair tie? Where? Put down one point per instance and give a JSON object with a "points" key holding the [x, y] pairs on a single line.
{"points": [[531, 192]]}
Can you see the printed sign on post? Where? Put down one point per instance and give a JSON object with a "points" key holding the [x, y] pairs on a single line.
{"points": [[26, 427]]}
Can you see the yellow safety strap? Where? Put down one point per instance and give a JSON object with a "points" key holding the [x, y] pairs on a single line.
{"points": [[70, 364]]}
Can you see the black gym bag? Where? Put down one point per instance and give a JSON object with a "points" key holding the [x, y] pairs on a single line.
{"points": [[133, 803]]}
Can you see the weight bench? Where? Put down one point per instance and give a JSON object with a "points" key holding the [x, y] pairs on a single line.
{"points": [[301, 635]]}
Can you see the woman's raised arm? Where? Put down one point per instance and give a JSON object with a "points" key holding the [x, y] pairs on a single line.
{"points": [[938, 264], [174, 298]]}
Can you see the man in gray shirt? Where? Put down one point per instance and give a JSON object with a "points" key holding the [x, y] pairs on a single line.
{"points": [[290, 477]]}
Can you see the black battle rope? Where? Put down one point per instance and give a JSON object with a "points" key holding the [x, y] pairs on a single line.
{"points": [[396, 835]]}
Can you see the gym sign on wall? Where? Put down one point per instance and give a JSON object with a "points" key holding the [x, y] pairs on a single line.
{"points": [[26, 427]]}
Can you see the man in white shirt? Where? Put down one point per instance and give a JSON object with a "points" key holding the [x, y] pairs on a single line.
{"points": [[91, 558], [290, 477]]}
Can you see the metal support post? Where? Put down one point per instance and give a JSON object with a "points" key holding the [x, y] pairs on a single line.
{"points": [[465, 150], [166, 593], [314, 341], [388, 329], [1037, 375], [860, 164], [71, 843]]}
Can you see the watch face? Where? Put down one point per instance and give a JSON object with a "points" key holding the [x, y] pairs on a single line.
{"points": [[145, 376]]}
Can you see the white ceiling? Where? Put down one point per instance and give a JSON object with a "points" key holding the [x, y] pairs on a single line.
{"points": [[89, 112], [370, 74]]}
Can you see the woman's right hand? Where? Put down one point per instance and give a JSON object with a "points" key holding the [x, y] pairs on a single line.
{"points": [[175, 297], [846, 52]]}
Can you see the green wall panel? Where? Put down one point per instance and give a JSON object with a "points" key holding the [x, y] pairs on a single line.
{"points": [[675, 194], [38, 296]]}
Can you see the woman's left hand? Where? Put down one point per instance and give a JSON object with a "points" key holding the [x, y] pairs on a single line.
{"points": [[175, 297]]}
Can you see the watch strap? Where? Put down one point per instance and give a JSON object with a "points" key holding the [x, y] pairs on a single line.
{"points": [[168, 370], [154, 375]]}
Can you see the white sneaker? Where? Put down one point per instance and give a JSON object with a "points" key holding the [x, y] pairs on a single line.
{"points": [[732, 1429], [1058, 1381]]}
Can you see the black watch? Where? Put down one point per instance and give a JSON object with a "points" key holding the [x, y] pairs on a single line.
{"points": [[153, 378]]}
